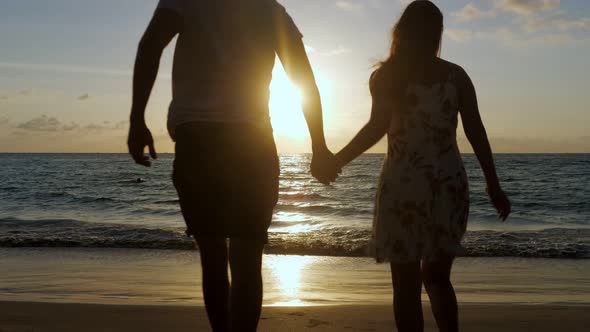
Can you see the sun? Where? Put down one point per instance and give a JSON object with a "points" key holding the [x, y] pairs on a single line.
{"points": [[286, 105]]}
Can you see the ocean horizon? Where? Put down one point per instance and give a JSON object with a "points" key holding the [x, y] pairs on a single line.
{"points": [[96, 200]]}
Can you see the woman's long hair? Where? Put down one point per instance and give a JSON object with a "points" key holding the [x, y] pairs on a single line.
{"points": [[416, 40]]}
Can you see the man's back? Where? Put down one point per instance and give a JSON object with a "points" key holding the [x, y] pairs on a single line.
{"points": [[226, 168], [224, 59]]}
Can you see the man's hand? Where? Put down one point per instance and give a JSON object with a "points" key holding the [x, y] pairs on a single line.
{"points": [[140, 137], [323, 167]]}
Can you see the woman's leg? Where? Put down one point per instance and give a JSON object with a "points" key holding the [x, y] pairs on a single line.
{"points": [[407, 302], [215, 282], [245, 259], [437, 280]]}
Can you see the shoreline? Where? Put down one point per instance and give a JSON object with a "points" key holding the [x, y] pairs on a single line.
{"points": [[142, 290], [172, 277]]}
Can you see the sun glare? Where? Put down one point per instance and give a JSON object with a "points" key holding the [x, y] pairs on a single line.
{"points": [[288, 271], [286, 104]]}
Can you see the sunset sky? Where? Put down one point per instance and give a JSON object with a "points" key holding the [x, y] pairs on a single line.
{"points": [[65, 71]]}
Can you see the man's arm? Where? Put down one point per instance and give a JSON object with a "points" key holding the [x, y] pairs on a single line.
{"points": [[163, 27], [294, 59], [296, 63]]}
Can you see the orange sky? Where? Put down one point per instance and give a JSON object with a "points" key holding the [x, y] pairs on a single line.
{"points": [[65, 76]]}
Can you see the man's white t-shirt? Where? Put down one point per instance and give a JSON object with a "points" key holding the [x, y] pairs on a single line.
{"points": [[224, 58]]}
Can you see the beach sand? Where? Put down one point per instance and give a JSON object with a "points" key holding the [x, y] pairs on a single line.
{"points": [[159, 290], [29, 317]]}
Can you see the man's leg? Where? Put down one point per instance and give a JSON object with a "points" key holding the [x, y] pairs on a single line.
{"points": [[215, 282], [245, 258]]}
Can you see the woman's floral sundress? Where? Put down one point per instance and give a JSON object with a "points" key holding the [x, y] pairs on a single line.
{"points": [[422, 199]]}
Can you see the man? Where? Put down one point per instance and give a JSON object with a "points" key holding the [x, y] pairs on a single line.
{"points": [[226, 167]]}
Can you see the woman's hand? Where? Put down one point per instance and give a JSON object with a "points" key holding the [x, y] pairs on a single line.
{"points": [[500, 202]]}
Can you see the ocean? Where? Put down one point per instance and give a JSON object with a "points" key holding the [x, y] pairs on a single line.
{"points": [[106, 201]]}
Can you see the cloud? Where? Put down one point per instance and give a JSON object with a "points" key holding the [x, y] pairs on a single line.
{"points": [[518, 7], [64, 68], [472, 12], [106, 126], [459, 35], [503, 35], [337, 51], [535, 23], [340, 50], [545, 15], [527, 7], [558, 21], [511, 38], [84, 97], [41, 123], [350, 6], [46, 124], [70, 127], [72, 69]]}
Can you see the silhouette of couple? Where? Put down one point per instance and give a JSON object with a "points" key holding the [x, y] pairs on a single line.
{"points": [[226, 168]]}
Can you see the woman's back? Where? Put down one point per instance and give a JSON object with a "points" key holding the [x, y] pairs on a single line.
{"points": [[422, 200], [422, 133], [423, 197]]}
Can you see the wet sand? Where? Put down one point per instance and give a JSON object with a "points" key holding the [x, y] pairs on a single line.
{"points": [[159, 290], [39, 317]]}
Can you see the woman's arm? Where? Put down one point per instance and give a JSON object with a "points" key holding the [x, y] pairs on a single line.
{"points": [[372, 132], [477, 136]]}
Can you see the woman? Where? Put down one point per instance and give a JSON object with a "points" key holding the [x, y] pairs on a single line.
{"points": [[423, 198]]}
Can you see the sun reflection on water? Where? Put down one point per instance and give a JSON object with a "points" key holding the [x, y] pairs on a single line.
{"points": [[293, 222], [288, 271]]}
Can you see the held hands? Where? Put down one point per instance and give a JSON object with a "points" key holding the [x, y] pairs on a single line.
{"points": [[324, 167], [500, 202], [140, 137]]}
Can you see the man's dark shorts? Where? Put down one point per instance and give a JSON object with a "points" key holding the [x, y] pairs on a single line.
{"points": [[227, 179]]}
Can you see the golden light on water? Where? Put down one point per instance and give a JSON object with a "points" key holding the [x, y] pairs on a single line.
{"points": [[286, 104], [288, 271], [294, 222]]}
